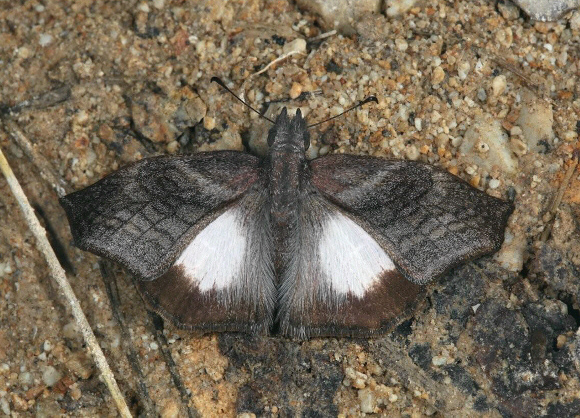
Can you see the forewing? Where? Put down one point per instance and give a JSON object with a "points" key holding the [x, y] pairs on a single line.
{"points": [[340, 280], [143, 215], [223, 280], [426, 219]]}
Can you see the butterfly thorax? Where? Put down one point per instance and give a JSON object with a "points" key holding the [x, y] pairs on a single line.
{"points": [[287, 164]]}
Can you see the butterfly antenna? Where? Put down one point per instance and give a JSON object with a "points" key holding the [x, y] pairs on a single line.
{"points": [[359, 104], [222, 84]]}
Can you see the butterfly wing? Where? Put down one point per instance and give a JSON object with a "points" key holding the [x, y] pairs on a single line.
{"points": [[426, 219], [224, 279], [143, 214], [370, 232], [186, 226], [340, 281]]}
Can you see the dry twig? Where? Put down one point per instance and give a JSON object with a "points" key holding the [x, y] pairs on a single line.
{"points": [[59, 275]]}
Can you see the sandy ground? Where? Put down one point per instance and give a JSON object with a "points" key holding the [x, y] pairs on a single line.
{"points": [[474, 87]]}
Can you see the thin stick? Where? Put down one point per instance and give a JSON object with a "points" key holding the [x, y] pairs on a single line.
{"points": [[277, 60], [39, 160], [324, 35], [59, 275]]}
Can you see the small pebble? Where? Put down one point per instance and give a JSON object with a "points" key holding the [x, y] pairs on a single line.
{"points": [[561, 341], [47, 346], [481, 95], [323, 150], [398, 7], [295, 90], [74, 392], [24, 52], [4, 406], [508, 10], [439, 360], [456, 141], [418, 124], [25, 378], [570, 136], [297, 45], [498, 85], [209, 123], [50, 376], [412, 153], [45, 39], [494, 183], [438, 75], [516, 131], [401, 44], [367, 401], [143, 7], [172, 147], [463, 70]]}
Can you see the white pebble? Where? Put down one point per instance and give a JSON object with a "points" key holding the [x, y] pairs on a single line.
{"points": [[498, 85], [50, 376], [494, 183], [25, 378], [401, 44], [143, 7], [412, 153], [418, 124], [438, 75], [367, 401], [398, 7], [439, 360], [297, 45], [463, 70], [45, 39]]}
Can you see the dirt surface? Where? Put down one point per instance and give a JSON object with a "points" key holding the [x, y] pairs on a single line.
{"points": [[474, 87]]}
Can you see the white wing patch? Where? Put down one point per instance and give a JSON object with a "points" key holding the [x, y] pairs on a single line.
{"points": [[214, 259], [351, 260]]}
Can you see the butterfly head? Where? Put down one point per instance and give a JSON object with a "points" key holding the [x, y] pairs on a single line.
{"points": [[289, 132]]}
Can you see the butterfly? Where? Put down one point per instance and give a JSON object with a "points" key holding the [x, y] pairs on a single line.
{"points": [[340, 245]]}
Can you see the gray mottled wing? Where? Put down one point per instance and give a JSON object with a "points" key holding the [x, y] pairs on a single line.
{"points": [[143, 215], [425, 218]]}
